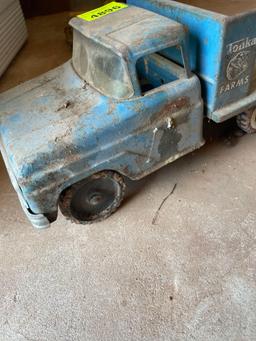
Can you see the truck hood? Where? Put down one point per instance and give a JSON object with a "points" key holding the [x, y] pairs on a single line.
{"points": [[39, 116]]}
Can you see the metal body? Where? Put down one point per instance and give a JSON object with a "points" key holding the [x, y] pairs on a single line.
{"points": [[94, 113]]}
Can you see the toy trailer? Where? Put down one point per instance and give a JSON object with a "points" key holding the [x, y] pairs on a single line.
{"points": [[222, 49]]}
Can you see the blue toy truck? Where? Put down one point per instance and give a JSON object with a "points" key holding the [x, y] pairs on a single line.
{"points": [[131, 100]]}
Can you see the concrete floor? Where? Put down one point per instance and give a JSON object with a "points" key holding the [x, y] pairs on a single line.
{"points": [[191, 276]]}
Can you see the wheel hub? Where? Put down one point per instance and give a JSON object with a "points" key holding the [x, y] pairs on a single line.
{"points": [[95, 199]]}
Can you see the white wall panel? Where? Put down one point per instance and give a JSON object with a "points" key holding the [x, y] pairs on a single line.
{"points": [[13, 32]]}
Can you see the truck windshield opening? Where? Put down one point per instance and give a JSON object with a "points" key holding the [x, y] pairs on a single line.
{"points": [[155, 70], [101, 68]]}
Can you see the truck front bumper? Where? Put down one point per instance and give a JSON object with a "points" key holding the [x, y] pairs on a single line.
{"points": [[39, 221]]}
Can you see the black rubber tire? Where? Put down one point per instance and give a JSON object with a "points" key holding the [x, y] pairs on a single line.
{"points": [[76, 206], [247, 121]]}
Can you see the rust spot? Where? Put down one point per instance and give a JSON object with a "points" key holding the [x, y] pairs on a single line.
{"points": [[112, 108], [66, 105], [176, 105], [171, 108]]}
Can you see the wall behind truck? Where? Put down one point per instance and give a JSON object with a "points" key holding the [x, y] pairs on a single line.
{"points": [[43, 7]]}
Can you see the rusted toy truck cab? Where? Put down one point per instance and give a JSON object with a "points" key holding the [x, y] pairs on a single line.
{"points": [[120, 107]]}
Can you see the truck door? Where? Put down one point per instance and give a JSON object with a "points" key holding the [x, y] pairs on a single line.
{"points": [[170, 108]]}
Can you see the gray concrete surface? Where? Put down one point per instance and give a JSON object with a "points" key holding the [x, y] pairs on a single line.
{"points": [[191, 276]]}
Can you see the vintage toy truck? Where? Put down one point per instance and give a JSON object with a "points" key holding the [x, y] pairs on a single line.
{"points": [[125, 105]]}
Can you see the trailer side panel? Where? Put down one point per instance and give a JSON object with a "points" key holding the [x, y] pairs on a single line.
{"points": [[238, 59]]}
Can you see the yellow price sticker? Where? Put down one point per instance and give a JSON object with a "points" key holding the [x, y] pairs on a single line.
{"points": [[102, 11]]}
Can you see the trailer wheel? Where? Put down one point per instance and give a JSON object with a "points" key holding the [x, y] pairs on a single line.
{"points": [[93, 199], [247, 121]]}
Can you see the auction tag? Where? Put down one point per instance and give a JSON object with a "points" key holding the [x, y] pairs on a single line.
{"points": [[102, 11]]}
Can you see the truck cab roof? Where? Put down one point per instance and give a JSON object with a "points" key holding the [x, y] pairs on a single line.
{"points": [[132, 30], [106, 50]]}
